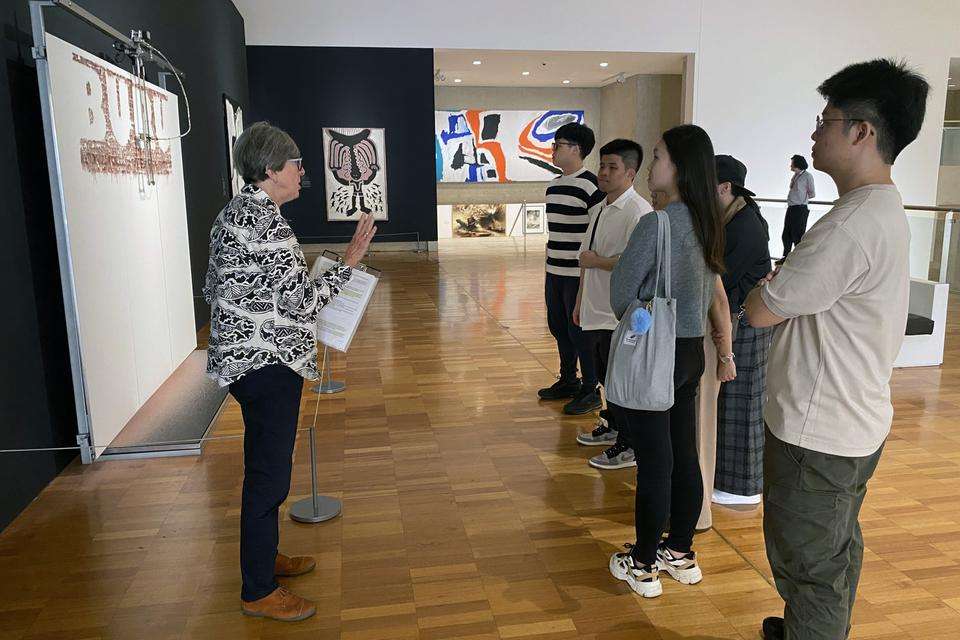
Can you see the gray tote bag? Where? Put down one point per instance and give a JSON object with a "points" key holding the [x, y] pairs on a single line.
{"points": [[640, 373]]}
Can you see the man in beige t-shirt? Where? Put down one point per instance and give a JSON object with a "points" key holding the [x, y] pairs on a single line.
{"points": [[840, 305]]}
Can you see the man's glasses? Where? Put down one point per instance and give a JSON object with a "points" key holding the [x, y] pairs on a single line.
{"points": [[564, 144], [823, 121]]}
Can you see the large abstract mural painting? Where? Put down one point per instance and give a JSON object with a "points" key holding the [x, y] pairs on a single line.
{"points": [[496, 145]]}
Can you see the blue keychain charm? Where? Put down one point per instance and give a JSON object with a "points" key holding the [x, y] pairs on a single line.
{"points": [[640, 320]]}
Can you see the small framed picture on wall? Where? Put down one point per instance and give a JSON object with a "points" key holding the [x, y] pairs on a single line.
{"points": [[355, 173], [535, 219], [233, 124]]}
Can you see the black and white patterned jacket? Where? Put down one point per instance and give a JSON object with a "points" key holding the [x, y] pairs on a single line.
{"points": [[263, 302]]}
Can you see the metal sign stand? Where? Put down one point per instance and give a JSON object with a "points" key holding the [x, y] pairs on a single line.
{"points": [[331, 385], [318, 508]]}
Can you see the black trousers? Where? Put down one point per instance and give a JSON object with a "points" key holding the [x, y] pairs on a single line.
{"points": [[560, 293], [669, 482], [600, 339], [270, 402], [794, 226]]}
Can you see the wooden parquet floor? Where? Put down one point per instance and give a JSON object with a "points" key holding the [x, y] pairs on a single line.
{"points": [[468, 509]]}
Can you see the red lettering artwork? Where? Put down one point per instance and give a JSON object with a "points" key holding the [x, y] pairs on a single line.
{"points": [[115, 151]]}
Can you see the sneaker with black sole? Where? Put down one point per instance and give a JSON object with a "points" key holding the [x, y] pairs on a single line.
{"points": [[584, 402], [601, 435], [772, 628], [684, 569], [643, 579], [560, 390], [619, 456]]}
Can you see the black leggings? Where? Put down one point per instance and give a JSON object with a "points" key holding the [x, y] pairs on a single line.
{"points": [[669, 483]]}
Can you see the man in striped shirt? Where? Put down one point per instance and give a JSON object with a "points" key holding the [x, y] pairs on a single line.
{"points": [[570, 199]]}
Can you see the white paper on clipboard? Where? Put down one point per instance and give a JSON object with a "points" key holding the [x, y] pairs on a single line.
{"points": [[337, 322]]}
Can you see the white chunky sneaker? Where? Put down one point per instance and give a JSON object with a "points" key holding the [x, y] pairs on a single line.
{"points": [[683, 569], [644, 580]]}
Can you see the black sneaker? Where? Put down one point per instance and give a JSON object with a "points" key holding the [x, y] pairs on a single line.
{"points": [[583, 403], [772, 629], [560, 390]]}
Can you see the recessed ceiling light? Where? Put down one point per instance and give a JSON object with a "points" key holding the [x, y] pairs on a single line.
{"points": [[566, 82], [525, 73], [457, 80], [604, 64], [478, 62]]}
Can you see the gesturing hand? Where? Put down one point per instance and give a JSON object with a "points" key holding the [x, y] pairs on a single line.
{"points": [[361, 240]]}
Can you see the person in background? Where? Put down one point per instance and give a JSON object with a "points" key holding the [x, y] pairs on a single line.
{"points": [[839, 303], [802, 190], [738, 478], [605, 240], [570, 199], [263, 312], [669, 483]]}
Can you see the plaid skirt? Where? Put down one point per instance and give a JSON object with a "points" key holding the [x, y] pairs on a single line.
{"points": [[740, 415]]}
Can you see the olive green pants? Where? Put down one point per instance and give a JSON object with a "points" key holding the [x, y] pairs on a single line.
{"points": [[811, 506]]}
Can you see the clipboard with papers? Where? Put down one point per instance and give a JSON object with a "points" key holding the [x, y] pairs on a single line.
{"points": [[337, 323]]}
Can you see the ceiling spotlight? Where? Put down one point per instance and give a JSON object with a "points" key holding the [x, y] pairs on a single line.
{"points": [[457, 80], [604, 64], [478, 62], [525, 73], [566, 82]]}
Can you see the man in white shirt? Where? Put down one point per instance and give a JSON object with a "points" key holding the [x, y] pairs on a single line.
{"points": [[802, 191], [840, 305], [606, 238]]}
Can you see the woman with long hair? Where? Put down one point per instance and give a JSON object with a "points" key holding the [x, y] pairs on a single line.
{"points": [[669, 482]]}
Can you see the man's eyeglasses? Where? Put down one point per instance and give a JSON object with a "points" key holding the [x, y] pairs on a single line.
{"points": [[298, 162], [557, 143], [823, 121]]}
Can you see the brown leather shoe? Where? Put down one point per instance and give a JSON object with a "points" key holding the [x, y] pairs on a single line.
{"points": [[280, 605], [285, 566]]}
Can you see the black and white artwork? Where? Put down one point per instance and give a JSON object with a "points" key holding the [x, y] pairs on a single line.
{"points": [[355, 173], [233, 121], [535, 219]]}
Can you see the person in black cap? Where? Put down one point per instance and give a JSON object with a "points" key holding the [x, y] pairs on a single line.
{"points": [[738, 478]]}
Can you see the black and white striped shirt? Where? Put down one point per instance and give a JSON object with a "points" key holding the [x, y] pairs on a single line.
{"points": [[570, 201]]}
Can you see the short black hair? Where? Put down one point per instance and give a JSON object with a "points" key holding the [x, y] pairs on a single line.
{"points": [[581, 134], [630, 151], [799, 162], [885, 93]]}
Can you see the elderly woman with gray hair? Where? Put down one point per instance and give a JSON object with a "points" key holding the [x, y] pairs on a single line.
{"points": [[263, 311]]}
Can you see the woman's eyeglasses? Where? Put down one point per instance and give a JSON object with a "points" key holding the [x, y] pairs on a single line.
{"points": [[298, 162]]}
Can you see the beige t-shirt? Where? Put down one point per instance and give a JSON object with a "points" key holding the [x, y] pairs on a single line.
{"points": [[845, 291], [614, 223]]}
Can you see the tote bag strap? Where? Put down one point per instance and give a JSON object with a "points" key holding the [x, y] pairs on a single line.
{"points": [[596, 223], [663, 255]]}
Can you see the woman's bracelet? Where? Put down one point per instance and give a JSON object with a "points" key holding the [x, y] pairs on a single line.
{"points": [[725, 359]]}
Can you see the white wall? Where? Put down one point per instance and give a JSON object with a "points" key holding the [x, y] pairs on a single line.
{"points": [[757, 63], [546, 25]]}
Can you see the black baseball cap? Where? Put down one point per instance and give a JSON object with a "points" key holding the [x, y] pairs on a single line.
{"points": [[731, 170]]}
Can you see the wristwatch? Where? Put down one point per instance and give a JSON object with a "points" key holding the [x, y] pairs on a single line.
{"points": [[725, 359]]}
